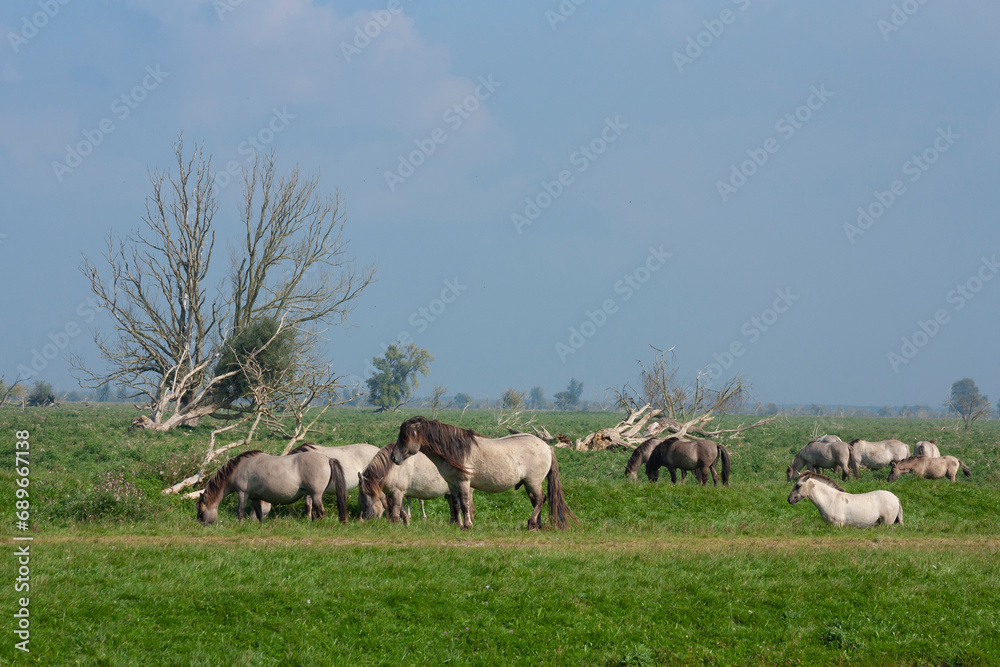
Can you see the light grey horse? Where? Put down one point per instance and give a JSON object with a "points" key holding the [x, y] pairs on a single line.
{"points": [[926, 448], [274, 480], [468, 460], [820, 454], [383, 485], [878, 455], [840, 508]]}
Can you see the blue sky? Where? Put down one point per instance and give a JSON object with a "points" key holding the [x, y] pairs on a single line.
{"points": [[676, 174]]}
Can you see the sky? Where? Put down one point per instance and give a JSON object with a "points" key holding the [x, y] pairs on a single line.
{"points": [[802, 193]]}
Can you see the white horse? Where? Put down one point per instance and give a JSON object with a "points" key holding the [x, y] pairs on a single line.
{"points": [[823, 454], [840, 508], [926, 448], [878, 455]]}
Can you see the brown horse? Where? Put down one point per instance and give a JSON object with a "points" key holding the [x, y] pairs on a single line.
{"points": [[468, 460], [640, 456], [929, 467], [699, 455]]}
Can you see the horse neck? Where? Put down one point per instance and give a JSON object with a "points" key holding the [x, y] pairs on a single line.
{"points": [[823, 494], [225, 488], [381, 468]]}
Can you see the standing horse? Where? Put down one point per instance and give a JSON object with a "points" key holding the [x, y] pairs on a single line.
{"points": [[926, 448], [699, 455], [840, 508], [468, 460], [929, 467], [384, 484], [820, 454], [353, 458], [275, 480], [878, 455]]}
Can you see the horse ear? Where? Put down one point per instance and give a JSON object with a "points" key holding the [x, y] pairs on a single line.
{"points": [[360, 478]]}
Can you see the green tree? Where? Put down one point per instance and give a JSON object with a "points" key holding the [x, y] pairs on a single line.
{"points": [[265, 346], [395, 376], [462, 400], [536, 399], [41, 394], [966, 400], [566, 400], [512, 399]]}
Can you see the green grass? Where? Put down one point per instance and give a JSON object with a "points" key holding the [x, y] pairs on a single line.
{"points": [[654, 574]]}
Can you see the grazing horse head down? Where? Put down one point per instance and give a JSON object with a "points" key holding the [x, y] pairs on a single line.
{"points": [[208, 505]]}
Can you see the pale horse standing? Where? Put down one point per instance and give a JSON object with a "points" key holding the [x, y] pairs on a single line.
{"points": [[840, 508]]}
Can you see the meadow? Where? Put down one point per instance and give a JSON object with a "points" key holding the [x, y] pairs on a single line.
{"points": [[653, 574]]}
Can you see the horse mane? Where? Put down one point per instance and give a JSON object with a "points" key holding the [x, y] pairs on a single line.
{"points": [[304, 447], [218, 482], [821, 478], [374, 474], [451, 443], [639, 454], [911, 459]]}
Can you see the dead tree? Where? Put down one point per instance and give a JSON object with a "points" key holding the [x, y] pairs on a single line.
{"points": [[169, 329], [668, 405]]}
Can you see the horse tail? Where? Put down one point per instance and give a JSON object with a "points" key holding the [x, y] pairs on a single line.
{"points": [[558, 509], [852, 460], [899, 517], [726, 467], [965, 468], [655, 462], [340, 488]]}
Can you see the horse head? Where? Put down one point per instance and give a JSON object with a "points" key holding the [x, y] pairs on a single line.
{"points": [[896, 472], [371, 499], [411, 436], [206, 514], [789, 474], [801, 489]]}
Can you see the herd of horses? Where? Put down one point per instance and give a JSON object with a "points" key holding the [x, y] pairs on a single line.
{"points": [[430, 459]]}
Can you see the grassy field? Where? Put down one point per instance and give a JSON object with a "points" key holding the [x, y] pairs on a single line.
{"points": [[654, 574]]}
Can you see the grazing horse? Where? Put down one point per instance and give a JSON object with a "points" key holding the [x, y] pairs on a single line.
{"points": [[468, 460], [699, 455], [926, 448], [929, 467], [274, 480], [878, 455], [840, 508], [384, 484], [640, 456], [353, 458], [820, 454]]}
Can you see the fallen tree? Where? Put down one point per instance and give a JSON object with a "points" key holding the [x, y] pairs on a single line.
{"points": [[667, 406]]}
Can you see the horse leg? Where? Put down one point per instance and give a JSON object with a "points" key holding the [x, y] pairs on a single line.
{"points": [[257, 511], [423, 512], [309, 506], [715, 476], [318, 511], [537, 499], [673, 473], [464, 492], [403, 514], [452, 508], [241, 506]]}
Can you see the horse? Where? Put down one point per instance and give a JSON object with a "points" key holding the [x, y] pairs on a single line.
{"points": [[468, 460], [820, 454], [840, 508], [699, 455], [353, 458], [640, 455], [383, 485], [274, 480], [878, 455], [926, 448], [929, 467]]}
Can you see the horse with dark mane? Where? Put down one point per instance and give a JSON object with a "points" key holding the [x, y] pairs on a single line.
{"points": [[699, 455], [820, 454], [277, 480], [383, 486], [468, 460]]}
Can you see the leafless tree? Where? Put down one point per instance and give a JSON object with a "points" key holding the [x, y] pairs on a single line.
{"points": [[170, 329], [436, 395]]}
